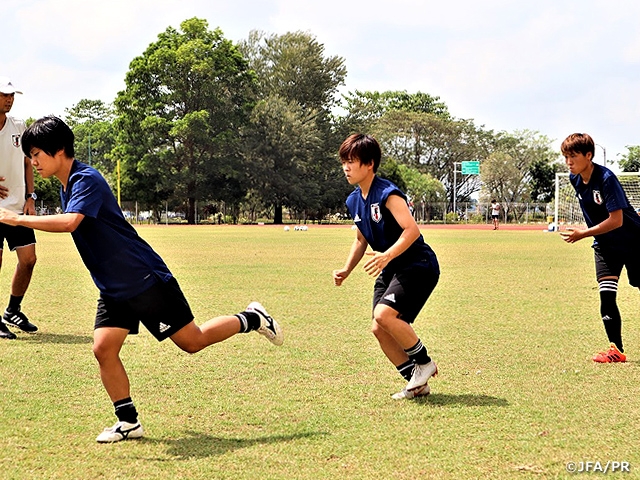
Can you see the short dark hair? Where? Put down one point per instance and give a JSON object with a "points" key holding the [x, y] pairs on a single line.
{"points": [[578, 143], [363, 147], [49, 134]]}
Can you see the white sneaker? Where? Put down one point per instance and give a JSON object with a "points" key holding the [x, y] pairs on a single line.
{"points": [[405, 394], [268, 326], [120, 431], [422, 374]]}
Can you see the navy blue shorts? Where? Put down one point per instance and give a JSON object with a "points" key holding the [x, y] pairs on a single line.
{"points": [[16, 236], [609, 263], [162, 309], [406, 291]]}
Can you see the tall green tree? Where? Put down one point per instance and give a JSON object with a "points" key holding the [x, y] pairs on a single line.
{"points": [[521, 169], [630, 161], [186, 99], [436, 145], [92, 122], [363, 109], [299, 81]]}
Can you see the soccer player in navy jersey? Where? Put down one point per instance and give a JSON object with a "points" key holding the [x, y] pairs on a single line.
{"points": [[406, 267], [615, 228], [134, 282]]}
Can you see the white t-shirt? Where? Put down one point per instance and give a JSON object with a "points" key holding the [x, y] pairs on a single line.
{"points": [[12, 164], [495, 208]]}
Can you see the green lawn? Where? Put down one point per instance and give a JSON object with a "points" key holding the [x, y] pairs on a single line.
{"points": [[512, 324]]}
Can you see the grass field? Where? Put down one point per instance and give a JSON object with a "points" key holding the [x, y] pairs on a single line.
{"points": [[512, 324]]}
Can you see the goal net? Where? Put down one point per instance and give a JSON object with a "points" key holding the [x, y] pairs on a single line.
{"points": [[567, 208]]}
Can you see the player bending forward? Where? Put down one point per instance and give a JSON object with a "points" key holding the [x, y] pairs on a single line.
{"points": [[134, 282], [406, 267], [615, 228]]}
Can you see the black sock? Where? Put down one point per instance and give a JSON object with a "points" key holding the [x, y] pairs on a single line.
{"points": [[418, 353], [126, 410], [249, 321], [610, 313], [406, 369], [14, 303]]}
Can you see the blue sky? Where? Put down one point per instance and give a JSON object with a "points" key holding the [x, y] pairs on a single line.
{"points": [[556, 67]]}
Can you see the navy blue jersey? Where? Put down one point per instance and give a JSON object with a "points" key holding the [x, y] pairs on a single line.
{"points": [[121, 263], [380, 228], [604, 194]]}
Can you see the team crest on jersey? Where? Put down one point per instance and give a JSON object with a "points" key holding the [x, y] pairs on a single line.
{"points": [[376, 216], [15, 140], [597, 197]]}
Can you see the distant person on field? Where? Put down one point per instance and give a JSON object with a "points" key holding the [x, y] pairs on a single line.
{"points": [[406, 267], [495, 213], [16, 194], [134, 282], [615, 228]]}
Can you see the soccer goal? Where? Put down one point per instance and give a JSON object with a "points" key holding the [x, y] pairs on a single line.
{"points": [[567, 208]]}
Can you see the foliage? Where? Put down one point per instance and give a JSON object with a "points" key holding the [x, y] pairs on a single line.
{"points": [[290, 135], [364, 109], [434, 144], [179, 118], [630, 161], [521, 168]]}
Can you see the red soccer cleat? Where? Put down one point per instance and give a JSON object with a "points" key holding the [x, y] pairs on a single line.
{"points": [[612, 356]]}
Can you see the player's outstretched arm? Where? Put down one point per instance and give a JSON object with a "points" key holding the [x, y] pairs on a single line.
{"points": [[64, 222], [613, 221]]}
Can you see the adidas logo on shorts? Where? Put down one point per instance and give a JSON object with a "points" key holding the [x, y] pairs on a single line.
{"points": [[391, 297], [164, 327]]}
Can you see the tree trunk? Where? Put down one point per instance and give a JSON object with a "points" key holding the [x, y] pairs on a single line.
{"points": [[191, 211], [277, 214]]}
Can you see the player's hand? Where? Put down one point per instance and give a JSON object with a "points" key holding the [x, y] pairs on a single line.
{"points": [[29, 207], [376, 263], [8, 217], [571, 235], [339, 276], [4, 191]]}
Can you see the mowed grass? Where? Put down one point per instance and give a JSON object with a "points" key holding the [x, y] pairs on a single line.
{"points": [[512, 324]]}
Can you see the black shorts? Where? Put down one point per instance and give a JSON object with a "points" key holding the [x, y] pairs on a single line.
{"points": [[609, 263], [162, 309], [16, 236], [406, 291]]}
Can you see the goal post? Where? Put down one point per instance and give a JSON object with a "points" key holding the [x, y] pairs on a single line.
{"points": [[567, 209]]}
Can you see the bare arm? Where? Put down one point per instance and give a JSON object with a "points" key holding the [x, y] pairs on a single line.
{"points": [[64, 222], [410, 233], [30, 204], [358, 247], [613, 221]]}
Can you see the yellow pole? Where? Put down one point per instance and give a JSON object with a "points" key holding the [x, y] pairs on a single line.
{"points": [[118, 171]]}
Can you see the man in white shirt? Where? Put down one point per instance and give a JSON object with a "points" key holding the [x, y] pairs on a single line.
{"points": [[16, 194]]}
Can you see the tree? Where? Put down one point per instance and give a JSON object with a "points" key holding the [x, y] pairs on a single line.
{"points": [[434, 144], [630, 161], [521, 168], [186, 99], [298, 82], [364, 109], [92, 125], [423, 190]]}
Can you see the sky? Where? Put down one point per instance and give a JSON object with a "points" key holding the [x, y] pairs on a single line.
{"points": [[551, 66]]}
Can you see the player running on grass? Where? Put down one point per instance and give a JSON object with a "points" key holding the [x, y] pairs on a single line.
{"points": [[406, 267], [134, 282], [615, 228]]}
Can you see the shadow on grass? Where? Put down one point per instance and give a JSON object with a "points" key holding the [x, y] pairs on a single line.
{"points": [[56, 338], [466, 400], [200, 445]]}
